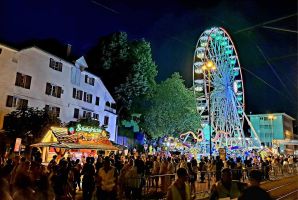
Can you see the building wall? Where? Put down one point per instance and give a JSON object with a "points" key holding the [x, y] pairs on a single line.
{"points": [[279, 127], [36, 63]]}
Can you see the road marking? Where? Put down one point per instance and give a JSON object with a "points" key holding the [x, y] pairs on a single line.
{"points": [[287, 195], [280, 186]]}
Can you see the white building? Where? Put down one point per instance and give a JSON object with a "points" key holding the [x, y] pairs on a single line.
{"points": [[35, 78]]}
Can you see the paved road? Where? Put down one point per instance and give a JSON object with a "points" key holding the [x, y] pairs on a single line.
{"points": [[283, 188]]}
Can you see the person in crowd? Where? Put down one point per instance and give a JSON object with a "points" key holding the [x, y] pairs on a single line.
{"points": [[52, 163], [163, 170], [107, 181], [23, 187], [180, 189], [226, 187], [254, 191], [132, 181], [44, 190], [218, 167], [156, 169], [203, 169], [88, 183], [4, 189], [124, 177], [77, 174]]}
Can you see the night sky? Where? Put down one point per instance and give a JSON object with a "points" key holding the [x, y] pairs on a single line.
{"points": [[268, 57]]}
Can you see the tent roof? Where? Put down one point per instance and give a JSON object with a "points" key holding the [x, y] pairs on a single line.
{"points": [[75, 146]]}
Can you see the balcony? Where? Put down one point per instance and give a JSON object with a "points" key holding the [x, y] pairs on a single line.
{"points": [[109, 109]]}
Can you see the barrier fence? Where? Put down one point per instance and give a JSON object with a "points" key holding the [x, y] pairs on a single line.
{"points": [[156, 186]]}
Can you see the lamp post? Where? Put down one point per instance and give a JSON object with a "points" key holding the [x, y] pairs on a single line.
{"points": [[209, 66], [271, 117]]}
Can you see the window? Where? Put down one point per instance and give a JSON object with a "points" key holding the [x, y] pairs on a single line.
{"points": [[106, 120], [86, 114], [53, 90], [87, 97], [76, 113], [77, 94], [23, 80], [89, 80], [16, 102], [95, 116], [108, 104], [97, 101], [55, 111], [0, 50], [55, 65]]}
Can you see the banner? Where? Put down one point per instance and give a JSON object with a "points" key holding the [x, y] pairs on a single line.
{"points": [[17, 145]]}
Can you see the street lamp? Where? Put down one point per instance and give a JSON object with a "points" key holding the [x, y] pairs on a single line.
{"points": [[271, 117], [209, 66]]}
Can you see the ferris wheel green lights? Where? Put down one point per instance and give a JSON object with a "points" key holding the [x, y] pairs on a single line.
{"points": [[218, 86]]}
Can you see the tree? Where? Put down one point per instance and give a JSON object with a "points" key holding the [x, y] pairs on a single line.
{"points": [[171, 109], [26, 122], [126, 67], [141, 78]]}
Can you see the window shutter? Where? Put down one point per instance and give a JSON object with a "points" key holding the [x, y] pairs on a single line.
{"points": [[80, 94], [57, 111], [97, 101], [47, 108], [52, 63], [9, 101], [48, 88], [74, 92], [85, 96], [60, 67], [17, 83], [59, 92], [76, 113], [27, 82], [23, 103]]}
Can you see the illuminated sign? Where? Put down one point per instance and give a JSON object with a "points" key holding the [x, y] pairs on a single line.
{"points": [[88, 129]]}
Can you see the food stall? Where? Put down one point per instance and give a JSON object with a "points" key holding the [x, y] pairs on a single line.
{"points": [[74, 142]]}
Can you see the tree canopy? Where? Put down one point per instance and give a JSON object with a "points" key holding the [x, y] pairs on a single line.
{"points": [[25, 121], [171, 109], [126, 67]]}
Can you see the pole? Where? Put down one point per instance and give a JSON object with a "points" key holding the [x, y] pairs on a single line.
{"points": [[271, 131], [209, 104]]}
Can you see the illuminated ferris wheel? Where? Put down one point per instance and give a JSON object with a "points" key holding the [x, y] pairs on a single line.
{"points": [[217, 75]]}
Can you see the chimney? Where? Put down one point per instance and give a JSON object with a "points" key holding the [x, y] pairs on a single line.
{"points": [[68, 51]]}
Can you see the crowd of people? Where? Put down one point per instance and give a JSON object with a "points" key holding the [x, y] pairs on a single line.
{"points": [[126, 177]]}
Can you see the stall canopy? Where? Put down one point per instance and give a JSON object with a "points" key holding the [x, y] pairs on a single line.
{"points": [[79, 137]]}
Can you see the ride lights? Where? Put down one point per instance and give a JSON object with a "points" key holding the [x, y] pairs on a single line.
{"points": [[203, 41], [209, 66], [228, 50], [236, 71], [198, 88], [200, 52], [237, 85], [232, 60], [224, 42]]}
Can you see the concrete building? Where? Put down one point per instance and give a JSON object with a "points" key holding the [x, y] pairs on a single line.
{"points": [[275, 127], [35, 78]]}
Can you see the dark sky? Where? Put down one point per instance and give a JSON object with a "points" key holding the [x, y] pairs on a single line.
{"points": [[173, 27]]}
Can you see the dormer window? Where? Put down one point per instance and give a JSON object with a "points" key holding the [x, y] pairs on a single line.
{"points": [[89, 80], [55, 65]]}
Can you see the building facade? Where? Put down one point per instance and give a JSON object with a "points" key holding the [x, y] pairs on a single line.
{"points": [[275, 126], [35, 78]]}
